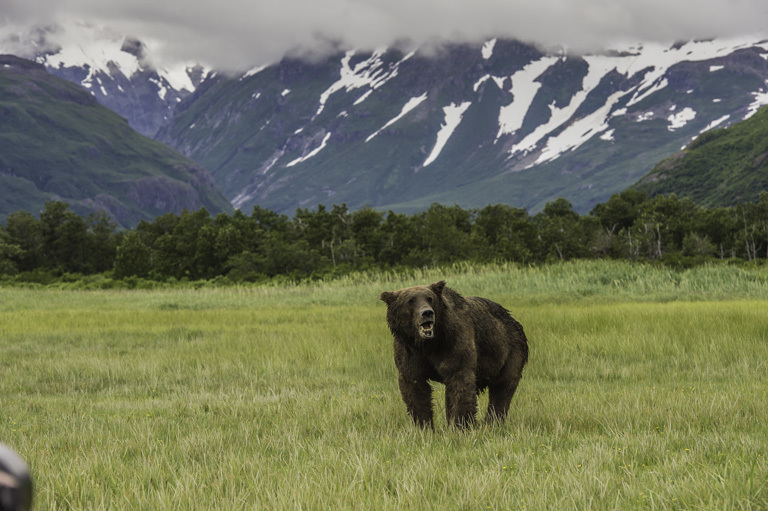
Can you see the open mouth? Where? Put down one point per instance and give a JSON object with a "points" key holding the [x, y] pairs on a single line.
{"points": [[427, 330]]}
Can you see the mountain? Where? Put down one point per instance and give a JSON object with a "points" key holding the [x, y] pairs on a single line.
{"points": [[722, 167], [58, 143], [118, 70], [471, 124], [502, 122]]}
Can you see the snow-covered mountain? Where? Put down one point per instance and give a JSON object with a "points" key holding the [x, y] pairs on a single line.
{"points": [[118, 70], [472, 124], [501, 122]]}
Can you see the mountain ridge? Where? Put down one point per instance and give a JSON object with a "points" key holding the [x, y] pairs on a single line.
{"points": [[468, 123], [515, 125], [117, 69]]}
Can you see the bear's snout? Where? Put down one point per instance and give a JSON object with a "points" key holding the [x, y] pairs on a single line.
{"points": [[427, 323]]}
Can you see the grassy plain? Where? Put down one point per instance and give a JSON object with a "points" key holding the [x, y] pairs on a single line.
{"points": [[646, 389]]}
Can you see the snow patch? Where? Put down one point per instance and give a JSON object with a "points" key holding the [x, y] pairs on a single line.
{"points": [[599, 66], [761, 99], [241, 199], [650, 89], [480, 82], [619, 112], [644, 117], [268, 167], [178, 76], [499, 80], [488, 49], [712, 69], [363, 97], [410, 105], [580, 131], [453, 115], [681, 118], [285, 92], [256, 70], [162, 90], [524, 88], [715, 123], [608, 136], [368, 73], [312, 153]]}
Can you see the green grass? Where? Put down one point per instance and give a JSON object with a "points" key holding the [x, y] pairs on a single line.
{"points": [[286, 397]]}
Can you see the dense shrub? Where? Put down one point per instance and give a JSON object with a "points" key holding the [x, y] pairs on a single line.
{"points": [[319, 244]]}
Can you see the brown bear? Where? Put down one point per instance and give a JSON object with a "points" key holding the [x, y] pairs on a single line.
{"points": [[467, 343]]}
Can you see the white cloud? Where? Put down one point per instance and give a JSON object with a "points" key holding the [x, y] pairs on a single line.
{"points": [[232, 33]]}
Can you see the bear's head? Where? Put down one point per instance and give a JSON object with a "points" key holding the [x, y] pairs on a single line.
{"points": [[415, 310]]}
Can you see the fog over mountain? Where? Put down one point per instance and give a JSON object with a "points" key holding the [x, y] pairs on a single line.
{"points": [[229, 33]]}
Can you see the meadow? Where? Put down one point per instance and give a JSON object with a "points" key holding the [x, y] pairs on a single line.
{"points": [[646, 388]]}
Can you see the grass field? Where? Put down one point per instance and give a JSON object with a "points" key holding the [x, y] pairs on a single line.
{"points": [[646, 389]]}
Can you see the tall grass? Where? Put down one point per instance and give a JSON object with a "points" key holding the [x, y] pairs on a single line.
{"points": [[286, 397], [583, 281]]}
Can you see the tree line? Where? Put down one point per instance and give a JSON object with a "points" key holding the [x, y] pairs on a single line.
{"points": [[323, 242]]}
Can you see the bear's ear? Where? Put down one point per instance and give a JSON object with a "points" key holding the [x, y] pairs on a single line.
{"points": [[388, 297], [437, 287]]}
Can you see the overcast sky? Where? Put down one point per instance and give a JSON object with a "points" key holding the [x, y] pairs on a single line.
{"points": [[233, 32]]}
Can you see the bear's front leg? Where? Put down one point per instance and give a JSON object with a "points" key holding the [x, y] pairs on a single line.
{"points": [[417, 395], [461, 399]]}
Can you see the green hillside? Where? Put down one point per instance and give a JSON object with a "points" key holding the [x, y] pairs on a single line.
{"points": [[720, 168], [57, 143]]}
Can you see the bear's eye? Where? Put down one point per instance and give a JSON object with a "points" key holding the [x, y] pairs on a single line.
{"points": [[429, 299], [410, 302]]}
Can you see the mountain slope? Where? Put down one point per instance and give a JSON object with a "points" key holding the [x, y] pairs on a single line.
{"points": [[57, 142], [720, 168], [118, 71], [499, 123]]}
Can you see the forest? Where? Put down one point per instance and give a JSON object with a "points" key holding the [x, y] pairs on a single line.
{"points": [[322, 243]]}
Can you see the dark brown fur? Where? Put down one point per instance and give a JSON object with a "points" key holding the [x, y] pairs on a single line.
{"points": [[467, 343]]}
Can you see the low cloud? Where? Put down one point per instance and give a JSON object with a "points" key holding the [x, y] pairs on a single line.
{"points": [[238, 33]]}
